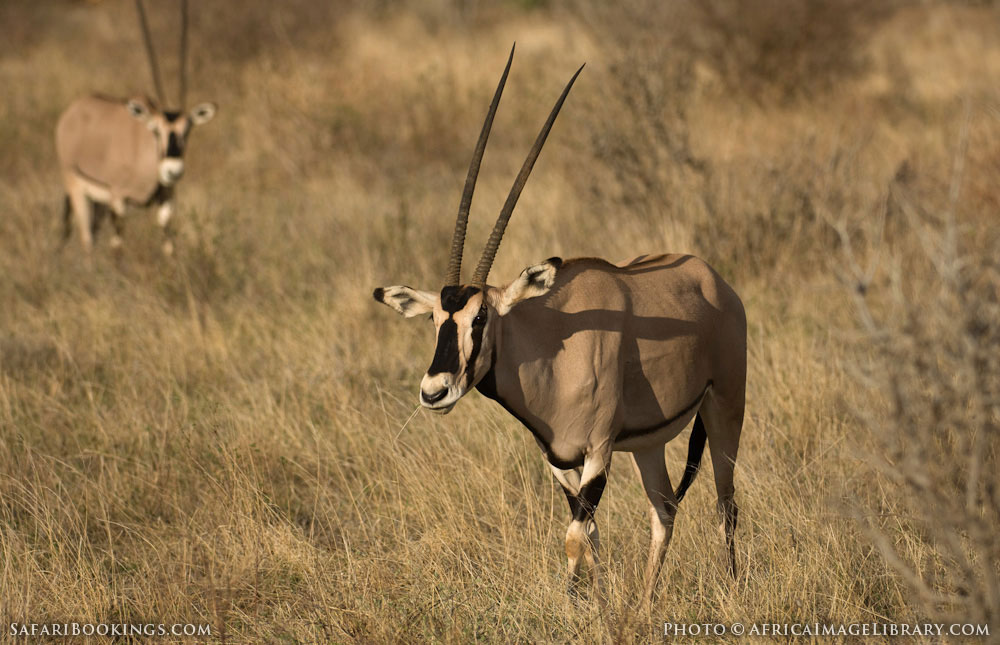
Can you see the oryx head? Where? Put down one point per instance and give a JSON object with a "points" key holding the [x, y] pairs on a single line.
{"points": [[467, 317], [171, 127]]}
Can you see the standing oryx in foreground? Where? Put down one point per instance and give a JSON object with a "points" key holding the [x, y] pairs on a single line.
{"points": [[114, 152], [594, 357]]}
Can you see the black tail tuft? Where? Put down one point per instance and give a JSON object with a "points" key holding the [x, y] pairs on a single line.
{"points": [[696, 446]]}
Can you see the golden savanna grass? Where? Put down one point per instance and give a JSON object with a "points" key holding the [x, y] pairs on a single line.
{"points": [[230, 436]]}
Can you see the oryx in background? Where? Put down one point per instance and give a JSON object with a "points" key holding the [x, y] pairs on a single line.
{"points": [[115, 152], [594, 357]]}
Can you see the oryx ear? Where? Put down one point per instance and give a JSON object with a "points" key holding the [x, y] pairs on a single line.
{"points": [[202, 113], [533, 282], [406, 301], [138, 110]]}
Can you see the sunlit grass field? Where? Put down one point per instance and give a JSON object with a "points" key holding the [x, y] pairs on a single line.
{"points": [[231, 436]]}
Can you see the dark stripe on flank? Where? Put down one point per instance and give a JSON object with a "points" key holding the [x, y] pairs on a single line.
{"points": [[487, 386], [100, 183], [629, 433], [590, 497], [446, 353]]}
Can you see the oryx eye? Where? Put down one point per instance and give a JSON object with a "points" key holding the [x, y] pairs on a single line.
{"points": [[480, 318]]}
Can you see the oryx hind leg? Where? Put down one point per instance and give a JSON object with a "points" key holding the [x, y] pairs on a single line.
{"points": [[582, 536], [723, 424], [651, 467]]}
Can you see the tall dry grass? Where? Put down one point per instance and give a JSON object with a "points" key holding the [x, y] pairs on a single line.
{"points": [[229, 436]]}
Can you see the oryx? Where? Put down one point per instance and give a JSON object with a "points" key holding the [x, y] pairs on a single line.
{"points": [[114, 152], [594, 357]]}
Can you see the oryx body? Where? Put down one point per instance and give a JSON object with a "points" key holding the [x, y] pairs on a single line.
{"points": [[633, 349], [119, 152], [594, 357]]}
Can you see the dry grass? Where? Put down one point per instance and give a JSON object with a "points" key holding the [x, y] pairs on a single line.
{"points": [[227, 437]]}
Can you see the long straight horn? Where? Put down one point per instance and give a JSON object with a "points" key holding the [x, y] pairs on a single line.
{"points": [[183, 55], [490, 252], [458, 240], [150, 54]]}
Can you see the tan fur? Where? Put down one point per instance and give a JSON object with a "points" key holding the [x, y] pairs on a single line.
{"points": [[98, 140]]}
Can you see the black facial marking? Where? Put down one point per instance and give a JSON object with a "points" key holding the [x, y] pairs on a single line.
{"points": [[628, 433], [171, 116], [477, 344], [379, 295], [446, 354], [173, 145], [454, 299], [590, 496], [480, 319], [555, 261]]}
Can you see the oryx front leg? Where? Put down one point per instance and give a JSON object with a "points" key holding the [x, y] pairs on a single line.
{"points": [[164, 213], [117, 219], [652, 469], [83, 213], [582, 536]]}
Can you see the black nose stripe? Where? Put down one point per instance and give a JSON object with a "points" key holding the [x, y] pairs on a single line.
{"points": [[446, 352], [173, 146]]}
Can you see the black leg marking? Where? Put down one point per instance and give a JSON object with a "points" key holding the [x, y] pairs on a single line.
{"points": [[98, 212], [590, 497], [574, 501], [628, 433], [67, 219]]}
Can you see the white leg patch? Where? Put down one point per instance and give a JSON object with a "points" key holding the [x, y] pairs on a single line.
{"points": [[164, 213]]}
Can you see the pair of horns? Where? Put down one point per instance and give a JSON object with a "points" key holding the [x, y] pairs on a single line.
{"points": [[151, 54], [453, 276]]}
